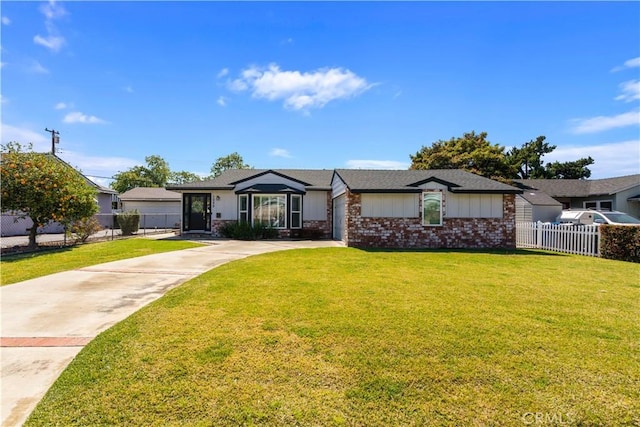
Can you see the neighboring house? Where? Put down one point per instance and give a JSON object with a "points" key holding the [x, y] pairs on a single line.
{"points": [[159, 208], [363, 208], [617, 194], [106, 198], [534, 206]]}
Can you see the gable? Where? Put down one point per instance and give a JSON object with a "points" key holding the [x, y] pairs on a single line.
{"points": [[270, 182]]}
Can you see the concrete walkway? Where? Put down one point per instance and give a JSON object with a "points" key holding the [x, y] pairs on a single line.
{"points": [[46, 321]]}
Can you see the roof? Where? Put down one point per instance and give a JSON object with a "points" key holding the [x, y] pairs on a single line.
{"points": [[314, 179], [539, 198], [408, 181], [580, 187], [150, 194]]}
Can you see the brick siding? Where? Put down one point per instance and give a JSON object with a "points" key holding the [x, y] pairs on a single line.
{"points": [[410, 233]]}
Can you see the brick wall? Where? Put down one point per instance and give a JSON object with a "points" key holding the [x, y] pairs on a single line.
{"points": [[410, 233]]}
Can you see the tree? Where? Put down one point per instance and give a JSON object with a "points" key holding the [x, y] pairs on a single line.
{"points": [[570, 170], [43, 188], [232, 161], [155, 174], [472, 152], [183, 177], [528, 158]]}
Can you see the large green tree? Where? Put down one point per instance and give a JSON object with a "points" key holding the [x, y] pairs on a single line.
{"points": [[183, 177], [471, 152], [528, 162], [576, 169], [231, 161], [43, 188], [155, 174], [474, 153]]}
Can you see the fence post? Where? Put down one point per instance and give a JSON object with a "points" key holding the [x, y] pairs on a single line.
{"points": [[538, 234]]}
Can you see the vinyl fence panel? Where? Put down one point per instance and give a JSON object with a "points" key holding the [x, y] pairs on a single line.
{"points": [[567, 238]]}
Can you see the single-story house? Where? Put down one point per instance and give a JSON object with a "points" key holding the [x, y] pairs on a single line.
{"points": [[618, 194], [106, 198], [363, 208], [159, 208]]}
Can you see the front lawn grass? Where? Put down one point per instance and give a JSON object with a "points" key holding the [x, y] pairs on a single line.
{"points": [[341, 336], [16, 268]]}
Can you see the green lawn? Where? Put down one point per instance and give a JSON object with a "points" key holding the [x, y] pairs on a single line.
{"points": [[340, 336], [17, 268]]}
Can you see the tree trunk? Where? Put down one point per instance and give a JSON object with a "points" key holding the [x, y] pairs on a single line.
{"points": [[32, 236]]}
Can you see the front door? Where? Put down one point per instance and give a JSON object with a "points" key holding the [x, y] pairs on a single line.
{"points": [[197, 212]]}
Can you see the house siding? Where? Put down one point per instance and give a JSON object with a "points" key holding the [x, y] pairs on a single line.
{"points": [[410, 233]]}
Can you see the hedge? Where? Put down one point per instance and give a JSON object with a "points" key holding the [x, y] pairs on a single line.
{"points": [[620, 242]]}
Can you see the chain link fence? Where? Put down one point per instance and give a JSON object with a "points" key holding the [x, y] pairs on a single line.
{"points": [[14, 230]]}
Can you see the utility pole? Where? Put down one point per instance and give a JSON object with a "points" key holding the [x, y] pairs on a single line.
{"points": [[55, 139]]}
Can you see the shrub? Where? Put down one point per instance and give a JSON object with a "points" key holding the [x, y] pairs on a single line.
{"points": [[246, 231], [82, 229], [620, 242], [129, 222]]}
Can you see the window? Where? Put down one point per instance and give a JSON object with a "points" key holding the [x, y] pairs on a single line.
{"points": [[244, 208], [432, 208], [270, 210], [296, 211], [599, 205]]}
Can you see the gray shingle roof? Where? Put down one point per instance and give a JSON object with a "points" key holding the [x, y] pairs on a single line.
{"points": [[361, 180], [580, 187], [150, 194], [317, 179], [539, 198]]}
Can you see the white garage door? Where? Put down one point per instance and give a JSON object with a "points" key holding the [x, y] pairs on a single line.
{"points": [[338, 217]]}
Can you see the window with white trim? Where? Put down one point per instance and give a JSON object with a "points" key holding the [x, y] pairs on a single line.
{"points": [[432, 208], [599, 205], [296, 211], [243, 207], [270, 210]]}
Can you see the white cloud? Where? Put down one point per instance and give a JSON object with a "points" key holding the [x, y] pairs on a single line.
{"points": [[222, 101], [376, 164], [602, 123], [6, 20], [25, 136], [52, 41], [280, 152], [611, 159], [128, 89], [37, 68], [78, 117], [300, 91], [104, 166], [3, 99], [60, 106], [631, 63], [630, 91], [222, 73], [52, 10]]}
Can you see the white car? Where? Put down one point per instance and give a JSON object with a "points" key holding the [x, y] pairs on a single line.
{"points": [[589, 217]]}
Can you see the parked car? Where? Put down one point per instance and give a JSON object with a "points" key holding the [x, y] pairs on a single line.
{"points": [[589, 217]]}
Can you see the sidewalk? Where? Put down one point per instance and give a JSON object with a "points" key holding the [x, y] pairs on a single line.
{"points": [[46, 321]]}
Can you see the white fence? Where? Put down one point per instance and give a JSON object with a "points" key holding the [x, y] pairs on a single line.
{"points": [[568, 238]]}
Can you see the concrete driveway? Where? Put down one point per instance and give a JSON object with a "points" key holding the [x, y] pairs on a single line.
{"points": [[46, 321]]}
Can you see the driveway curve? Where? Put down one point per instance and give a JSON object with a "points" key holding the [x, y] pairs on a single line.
{"points": [[46, 321]]}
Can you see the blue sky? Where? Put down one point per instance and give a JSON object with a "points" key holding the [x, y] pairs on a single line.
{"points": [[319, 85]]}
